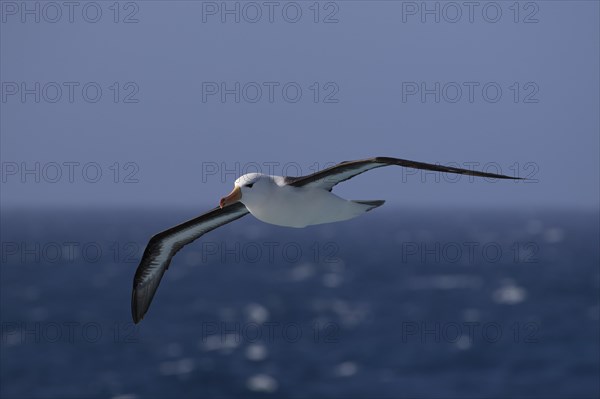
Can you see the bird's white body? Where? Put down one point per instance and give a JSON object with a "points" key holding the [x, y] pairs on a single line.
{"points": [[270, 200]]}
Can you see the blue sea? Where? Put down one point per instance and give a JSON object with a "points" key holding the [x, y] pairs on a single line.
{"points": [[398, 303]]}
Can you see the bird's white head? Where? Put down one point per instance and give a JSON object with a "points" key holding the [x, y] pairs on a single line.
{"points": [[244, 186]]}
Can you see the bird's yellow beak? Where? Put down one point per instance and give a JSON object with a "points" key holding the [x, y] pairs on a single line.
{"points": [[232, 197]]}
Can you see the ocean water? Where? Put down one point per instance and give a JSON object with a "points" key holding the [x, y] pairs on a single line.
{"points": [[397, 303]]}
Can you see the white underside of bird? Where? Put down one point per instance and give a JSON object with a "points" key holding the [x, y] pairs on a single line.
{"points": [[270, 200]]}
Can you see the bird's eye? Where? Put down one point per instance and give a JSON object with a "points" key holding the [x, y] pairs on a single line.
{"points": [[249, 185]]}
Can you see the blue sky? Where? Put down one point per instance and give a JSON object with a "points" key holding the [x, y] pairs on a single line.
{"points": [[168, 109]]}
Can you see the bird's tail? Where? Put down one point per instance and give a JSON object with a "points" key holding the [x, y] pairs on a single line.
{"points": [[370, 204]]}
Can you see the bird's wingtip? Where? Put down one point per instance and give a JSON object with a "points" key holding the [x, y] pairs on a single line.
{"points": [[136, 315]]}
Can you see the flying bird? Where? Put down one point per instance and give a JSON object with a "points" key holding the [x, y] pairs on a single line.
{"points": [[281, 200]]}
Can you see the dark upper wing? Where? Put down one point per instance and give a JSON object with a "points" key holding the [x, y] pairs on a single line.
{"points": [[163, 246], [328, 178]]}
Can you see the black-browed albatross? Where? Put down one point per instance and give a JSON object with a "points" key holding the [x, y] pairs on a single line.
{"points": [[280, 200]]}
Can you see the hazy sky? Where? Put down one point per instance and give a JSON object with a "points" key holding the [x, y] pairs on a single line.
{"points": [[174, 99]]}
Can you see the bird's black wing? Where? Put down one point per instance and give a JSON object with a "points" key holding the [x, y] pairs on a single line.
{"points": [[163, 246], [328, 178]]}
